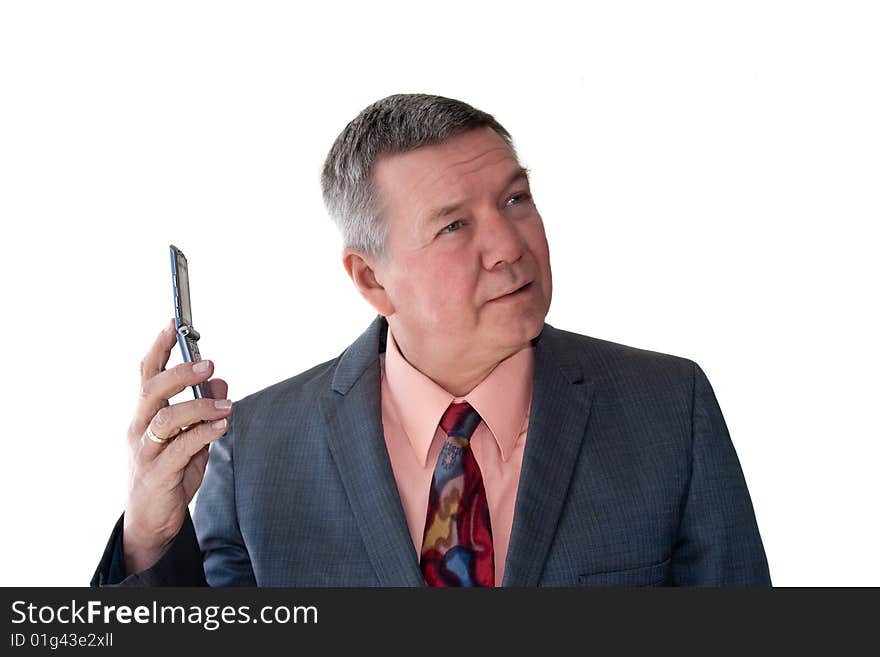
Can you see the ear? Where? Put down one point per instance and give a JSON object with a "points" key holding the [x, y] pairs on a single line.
{"points": [[361, 268]]}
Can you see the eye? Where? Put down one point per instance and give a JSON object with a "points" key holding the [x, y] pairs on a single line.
{"points": [[457, 221], [519, 198]]}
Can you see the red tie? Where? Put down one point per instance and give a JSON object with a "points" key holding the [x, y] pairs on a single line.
{"points": [[457, 545]]}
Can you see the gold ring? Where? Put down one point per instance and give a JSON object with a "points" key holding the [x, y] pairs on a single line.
{"points": [[156, 438]]}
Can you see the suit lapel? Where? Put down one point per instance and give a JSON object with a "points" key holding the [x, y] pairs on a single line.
{"points": [[557, 424], [352, 411]]}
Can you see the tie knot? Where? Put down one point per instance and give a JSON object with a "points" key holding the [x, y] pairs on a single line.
{"points": [[460, 420]]}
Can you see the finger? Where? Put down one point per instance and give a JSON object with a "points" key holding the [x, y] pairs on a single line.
{"points": [[156, 358], [156, 392], [173, 422], [170, 420], [219, 389], [177, 453], [194, 473]]}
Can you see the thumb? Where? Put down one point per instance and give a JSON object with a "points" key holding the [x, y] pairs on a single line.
{"points": [[219, 388]]}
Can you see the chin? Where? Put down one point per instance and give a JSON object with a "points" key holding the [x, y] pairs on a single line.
{"points": [[521, 331]]}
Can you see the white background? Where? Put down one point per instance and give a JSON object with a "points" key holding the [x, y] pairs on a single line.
{"points": [[707, 173]]}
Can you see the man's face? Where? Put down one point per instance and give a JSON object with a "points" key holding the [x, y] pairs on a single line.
{"points": [[463, 232]]}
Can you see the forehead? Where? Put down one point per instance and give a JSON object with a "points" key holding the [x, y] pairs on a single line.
{"points": [[445, 172]]}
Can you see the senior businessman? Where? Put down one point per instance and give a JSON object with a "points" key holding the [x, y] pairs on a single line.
{"points": [[460, 440]]}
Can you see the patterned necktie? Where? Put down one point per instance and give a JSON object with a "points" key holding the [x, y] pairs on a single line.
{"points": [[457, 547]]}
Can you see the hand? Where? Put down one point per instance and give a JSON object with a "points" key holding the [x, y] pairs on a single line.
{"points": [[164, 478]]}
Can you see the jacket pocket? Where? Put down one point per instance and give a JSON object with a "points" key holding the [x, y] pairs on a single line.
{"points": [[655, 574]]}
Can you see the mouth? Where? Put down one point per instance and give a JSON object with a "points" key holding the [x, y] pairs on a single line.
{"points": [[517, 292]]}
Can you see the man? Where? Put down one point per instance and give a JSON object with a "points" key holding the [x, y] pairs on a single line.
{"points": [[460, 440]]}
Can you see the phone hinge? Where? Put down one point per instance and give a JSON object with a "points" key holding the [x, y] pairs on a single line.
{"points": [[189, 332]]}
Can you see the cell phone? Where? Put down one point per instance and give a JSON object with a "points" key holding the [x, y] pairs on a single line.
{"points": [[187, 336]]}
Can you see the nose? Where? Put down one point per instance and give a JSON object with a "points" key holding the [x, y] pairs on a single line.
{"points": [[502, 241]]}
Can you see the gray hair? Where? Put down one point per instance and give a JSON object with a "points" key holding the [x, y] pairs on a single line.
{"points": [[394, 124]]}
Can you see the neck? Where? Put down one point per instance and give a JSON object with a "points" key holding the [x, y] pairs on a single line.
{"points": [[454, 372]]}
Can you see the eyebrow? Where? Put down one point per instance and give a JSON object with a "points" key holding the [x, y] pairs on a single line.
{"points": [[521, 173]]}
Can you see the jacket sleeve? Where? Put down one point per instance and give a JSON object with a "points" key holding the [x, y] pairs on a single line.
{"points": [[181, 565], [215, 518], [718, 542]]}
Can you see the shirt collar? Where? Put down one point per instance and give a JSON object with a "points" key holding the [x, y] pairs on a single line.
{"points": [[502, 399]]}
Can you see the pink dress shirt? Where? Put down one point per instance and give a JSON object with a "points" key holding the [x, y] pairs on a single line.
{"points": [[412, 405]]}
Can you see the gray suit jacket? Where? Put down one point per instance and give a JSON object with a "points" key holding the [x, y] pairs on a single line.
{"points": [[629, 478]]}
